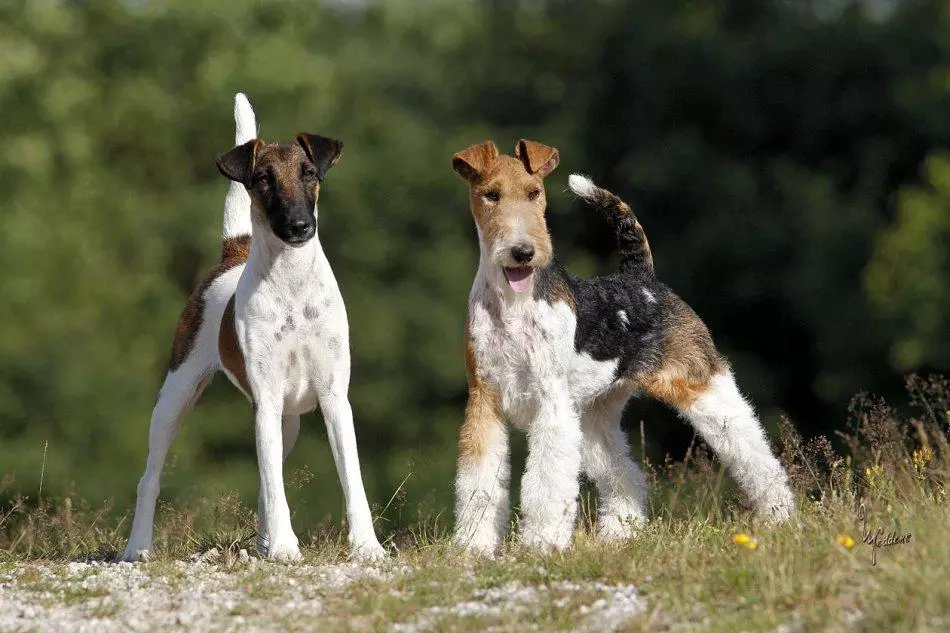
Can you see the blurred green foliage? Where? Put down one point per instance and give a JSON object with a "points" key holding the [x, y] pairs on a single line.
{"points": [[773, 150]]}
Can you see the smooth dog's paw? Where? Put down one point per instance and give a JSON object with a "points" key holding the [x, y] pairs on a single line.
{"points": [[281, 550], [135, 553], [368, 551]]}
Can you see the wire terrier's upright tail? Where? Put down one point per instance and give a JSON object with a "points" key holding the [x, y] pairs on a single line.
{"points": [[237, 204], [631, 239]]}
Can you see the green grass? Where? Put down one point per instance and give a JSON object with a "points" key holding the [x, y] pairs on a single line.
{"points": [[685, 562]]}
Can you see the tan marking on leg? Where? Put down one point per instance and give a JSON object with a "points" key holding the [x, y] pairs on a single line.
{"points": [[231, 355], [234, 251], [482, 413], [689, 359]]}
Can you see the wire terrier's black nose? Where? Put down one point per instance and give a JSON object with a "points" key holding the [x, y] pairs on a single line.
{"points": [[522, 253]]}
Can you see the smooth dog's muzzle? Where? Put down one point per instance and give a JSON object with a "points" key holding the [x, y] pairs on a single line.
{"points": [[296, 227]]}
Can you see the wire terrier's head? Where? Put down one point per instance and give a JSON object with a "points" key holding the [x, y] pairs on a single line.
{"points": [[283, 181], [507, 196]]}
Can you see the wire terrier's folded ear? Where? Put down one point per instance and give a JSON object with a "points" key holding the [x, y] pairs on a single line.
{"points": [[323, 152], [471, 162], [238, 164], [538, 158]]}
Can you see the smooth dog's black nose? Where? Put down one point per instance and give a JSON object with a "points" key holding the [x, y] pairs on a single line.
{"points": [[522, 253], [298, 228]]}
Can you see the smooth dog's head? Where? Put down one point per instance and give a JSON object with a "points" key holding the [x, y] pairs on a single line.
{"points": [[507, 195], [283, 181]]}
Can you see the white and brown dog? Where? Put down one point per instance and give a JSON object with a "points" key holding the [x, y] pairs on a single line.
{"points": [[559, 357], [270, 315]]}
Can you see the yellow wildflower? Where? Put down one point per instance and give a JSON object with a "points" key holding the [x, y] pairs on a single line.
{"points": [[875, 477], [921, 458], [749, 542], [845, 541]]}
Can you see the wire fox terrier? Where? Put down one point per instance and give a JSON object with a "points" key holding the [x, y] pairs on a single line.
{"points": [[559, 357], [271, 317]]}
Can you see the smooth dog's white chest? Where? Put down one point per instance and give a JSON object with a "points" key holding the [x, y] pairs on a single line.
{"points": [[295, 337]]}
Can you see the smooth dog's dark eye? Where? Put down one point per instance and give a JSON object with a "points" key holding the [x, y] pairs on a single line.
{"points": [[533, 194], [493, 196]]}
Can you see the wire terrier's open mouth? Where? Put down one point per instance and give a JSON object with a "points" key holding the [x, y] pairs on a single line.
{"points": [[519, 278]]}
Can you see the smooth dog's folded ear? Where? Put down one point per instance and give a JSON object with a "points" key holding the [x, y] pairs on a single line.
{"points": [[323, 152], [238, 164], [537, 158], [470, 162]]}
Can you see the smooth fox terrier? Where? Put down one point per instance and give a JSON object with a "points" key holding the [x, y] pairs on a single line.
{"points": [[271, 317], [559, 357]]}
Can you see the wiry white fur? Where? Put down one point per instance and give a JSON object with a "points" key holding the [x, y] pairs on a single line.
{"points": [[291, 325], [606, 461], [726, 422], [481, 496], [581, 185], [237, 204]]}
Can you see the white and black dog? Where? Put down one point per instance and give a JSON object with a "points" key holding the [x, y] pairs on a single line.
{"points": [[270, 315], [559, 357]]}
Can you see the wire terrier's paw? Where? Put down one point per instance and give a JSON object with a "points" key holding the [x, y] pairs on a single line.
{"points": [[546, 538], [613, 527]]}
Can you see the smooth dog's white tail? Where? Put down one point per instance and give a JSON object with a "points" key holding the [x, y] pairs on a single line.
{"points": [[237, 204]]}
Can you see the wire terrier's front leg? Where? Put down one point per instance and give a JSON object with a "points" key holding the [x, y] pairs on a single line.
{"points": [[481, 483], [550, 486]]}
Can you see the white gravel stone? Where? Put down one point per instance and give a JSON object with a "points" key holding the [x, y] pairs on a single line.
{"points": [[93, 597]]}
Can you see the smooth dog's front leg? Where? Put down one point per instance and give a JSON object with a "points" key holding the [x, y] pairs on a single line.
{"points": [[290, 432], [276, 538], [338, 416], [550, 485]]}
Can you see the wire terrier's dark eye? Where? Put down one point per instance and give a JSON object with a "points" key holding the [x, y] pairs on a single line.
{"points": [[533, 194], [309, 172], [493, 196]]}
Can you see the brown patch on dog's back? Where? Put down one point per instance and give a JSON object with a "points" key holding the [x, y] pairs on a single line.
{"points": [[232, 358], [688, 360], [483, 417], [234, 252]]}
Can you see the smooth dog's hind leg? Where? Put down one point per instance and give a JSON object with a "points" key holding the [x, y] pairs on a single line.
{"points": [[290, 430], [179, 393], [605, 458]]}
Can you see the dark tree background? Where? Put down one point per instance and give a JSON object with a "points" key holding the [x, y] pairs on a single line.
{"points": [[790, 162]]}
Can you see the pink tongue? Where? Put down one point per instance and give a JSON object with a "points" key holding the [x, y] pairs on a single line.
{"points": [[519, 278]]}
